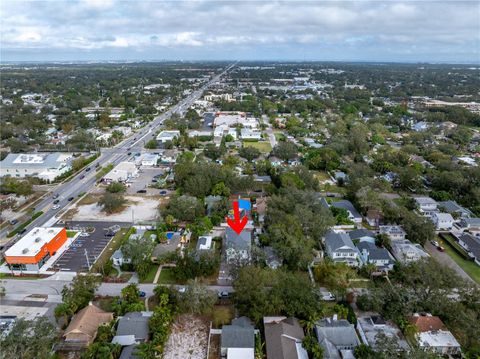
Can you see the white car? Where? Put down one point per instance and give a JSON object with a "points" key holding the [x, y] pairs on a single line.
{"points": [[84, 234], [327, 296], [55, 206], [435, 243]]}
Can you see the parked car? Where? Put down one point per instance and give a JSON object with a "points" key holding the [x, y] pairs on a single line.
{"points": [[87, 169], [163, 193], [13, 221], [327, 296], [440, 248], [435, 243], [22, 231], [142, 294], [84, 234], [142, 191], [129, 153], [70, 199], [82, 176], [223, 295]]}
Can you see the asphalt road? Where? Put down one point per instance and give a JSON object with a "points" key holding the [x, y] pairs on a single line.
{"points": [[19, 289], [114, 155]]}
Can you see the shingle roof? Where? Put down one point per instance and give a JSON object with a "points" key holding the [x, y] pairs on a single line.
{"points": [[85, 323], [281, 338], [335, 333], [334, 241], [427, 323], [454, 207], [473, 244], [359, 233], [134, 323], [238, 242], [240, 334], [348, 206]]}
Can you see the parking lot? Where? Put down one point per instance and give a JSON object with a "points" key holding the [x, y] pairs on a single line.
{"points": [[74, 259], [144, 180]]}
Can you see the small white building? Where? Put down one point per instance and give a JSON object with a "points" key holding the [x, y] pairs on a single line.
{"points": [[122, 172], [406, 252], [248, 134], [442, 221], [148, 160], [393, 232], [167, 136], [426, 205]]}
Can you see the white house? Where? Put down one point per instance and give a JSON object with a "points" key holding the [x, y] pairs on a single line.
{"points": [[148, 159], [472, 245], [393, 232], [248, 134], [442, 221], [406, 252], [426, 205], [340, 248]]}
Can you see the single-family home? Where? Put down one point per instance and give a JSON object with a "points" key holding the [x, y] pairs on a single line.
{"points": [[442, 221], [83, 327], [204, 243], [361, 234], [340, 177], [353, 214], [454, 208], [421, 126], [260, 207], [471, 225], [406, 252], [371, 254], [238, 246], [283, 338], [338, 338], [118, 259], [249, 134], [426, 205], [393, 232], [148, 160], [169, 156], [132, 328], [340, 248], [371, 326], [238, 339], [432, 334], [271, 258], [472, 245]]}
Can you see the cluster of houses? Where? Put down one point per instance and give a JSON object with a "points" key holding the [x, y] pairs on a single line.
{"points": [[337, 337]]}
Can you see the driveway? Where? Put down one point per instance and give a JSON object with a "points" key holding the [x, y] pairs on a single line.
{"points": [[444, 258]]}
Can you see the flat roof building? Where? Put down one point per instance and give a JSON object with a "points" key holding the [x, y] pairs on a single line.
{"points": [[122, 172], [35, 248], [167, 136], [46, 166]]}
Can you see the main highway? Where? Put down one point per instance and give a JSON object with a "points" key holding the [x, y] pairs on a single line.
{"points": [[85, 180]]}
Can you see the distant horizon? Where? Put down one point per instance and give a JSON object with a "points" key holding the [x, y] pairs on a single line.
{"points": [[428, 31]]}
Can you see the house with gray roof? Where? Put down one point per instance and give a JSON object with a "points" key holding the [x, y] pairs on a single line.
{"points": [[340, 248], [472, 245], [238, 246], [238, 339], [337, 338], [380, 257], [283, 338], [453, 208], [353, 214], [406, 252], [469, 224], [361, 234], [370, 327], [132, 328], [393, 232]]}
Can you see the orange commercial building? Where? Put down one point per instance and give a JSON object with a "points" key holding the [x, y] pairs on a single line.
{"points": [[35, 248]]}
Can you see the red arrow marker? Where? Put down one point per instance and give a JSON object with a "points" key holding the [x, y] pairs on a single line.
{"points": [[238, 224]]}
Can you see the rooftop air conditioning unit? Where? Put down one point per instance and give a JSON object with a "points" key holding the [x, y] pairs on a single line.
{"points": [[38, 239], [25, 250]]}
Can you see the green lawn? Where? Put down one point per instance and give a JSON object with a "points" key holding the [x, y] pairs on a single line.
{"points": [[166, 276], [151, 275], [469, 267], [71, 234], [261, 146]]}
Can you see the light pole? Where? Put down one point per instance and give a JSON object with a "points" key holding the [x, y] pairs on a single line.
{"points": [[88, 261]]}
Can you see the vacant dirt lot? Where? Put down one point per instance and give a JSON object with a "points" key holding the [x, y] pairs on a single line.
{"points": [[144, 209], [188, 339]]}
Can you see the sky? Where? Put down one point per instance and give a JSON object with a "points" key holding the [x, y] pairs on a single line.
{"points": [[99, 30]]}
